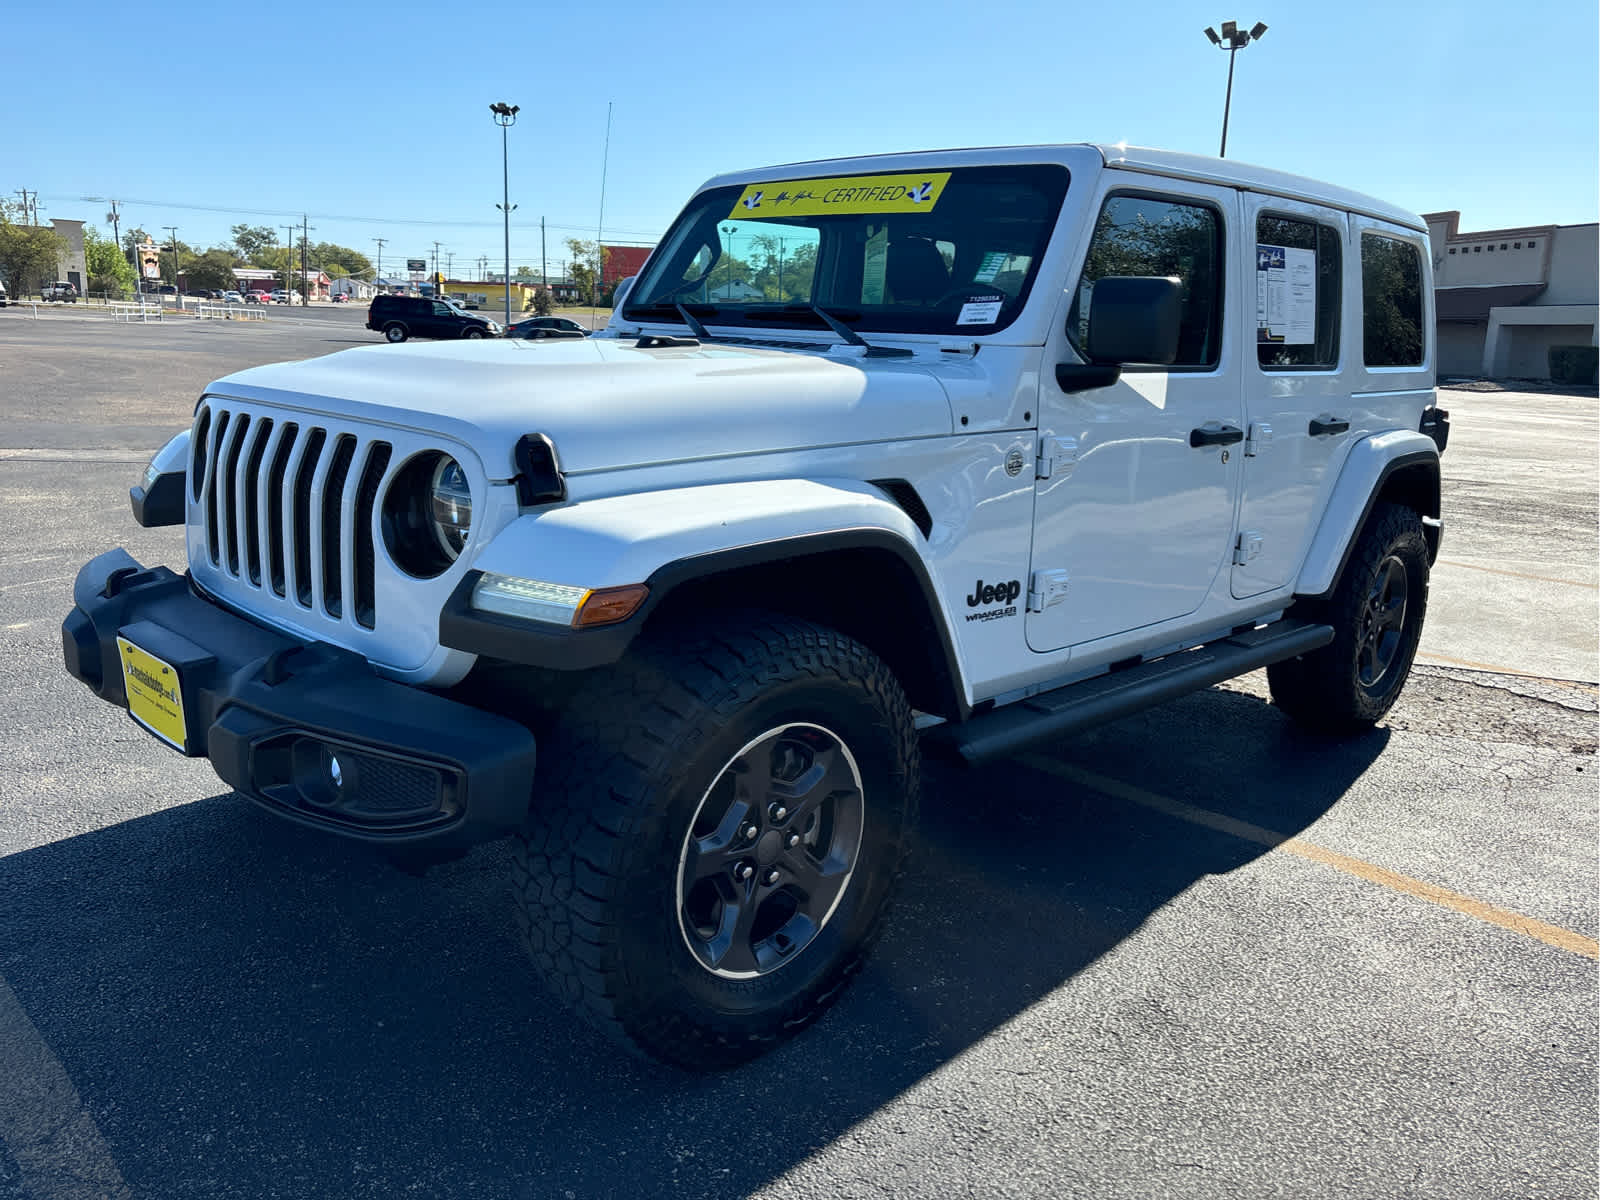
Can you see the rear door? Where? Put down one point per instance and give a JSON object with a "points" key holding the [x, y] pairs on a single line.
{"points": [[1298, 380], [1134, 510]]}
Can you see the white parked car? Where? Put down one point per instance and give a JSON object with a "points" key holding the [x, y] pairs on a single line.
{"points": [[232, 296], [1021, 441]]}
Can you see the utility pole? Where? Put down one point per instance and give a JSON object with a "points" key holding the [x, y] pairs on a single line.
{"points": [[26, 219], [544, 261], [305, 230], [288, 257], [437, 290], [450, 264], [379, 271], [116, 228], [173, 230]]}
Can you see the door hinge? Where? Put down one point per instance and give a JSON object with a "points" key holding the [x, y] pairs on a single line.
{"points": [[1057, 457], [1259, 439], [1247, 547], [1046, 589]]}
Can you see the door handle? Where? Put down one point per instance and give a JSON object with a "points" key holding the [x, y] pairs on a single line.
{"points": [[1325, 425], [1215, 435]]}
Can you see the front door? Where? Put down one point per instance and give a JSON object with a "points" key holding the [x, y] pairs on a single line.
{"points": [[1134, 517]]}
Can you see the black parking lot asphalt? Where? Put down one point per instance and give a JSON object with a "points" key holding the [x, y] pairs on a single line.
{"points": [[1195, 953]]}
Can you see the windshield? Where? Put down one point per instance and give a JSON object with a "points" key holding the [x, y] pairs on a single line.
{"points": [[919, 252]]}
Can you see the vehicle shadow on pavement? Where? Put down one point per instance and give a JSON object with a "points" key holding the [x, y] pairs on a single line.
{"points": [[250, 1009]]}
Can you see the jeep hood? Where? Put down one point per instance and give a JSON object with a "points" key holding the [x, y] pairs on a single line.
{"points": [[608, 404]]}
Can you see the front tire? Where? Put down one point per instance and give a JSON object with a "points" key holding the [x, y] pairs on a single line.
{"points": [[394, 332], [472, 334], [715, 832], [1376, 610]]}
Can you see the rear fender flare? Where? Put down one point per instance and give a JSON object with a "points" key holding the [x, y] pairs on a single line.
{"points": [[1371, 463]]}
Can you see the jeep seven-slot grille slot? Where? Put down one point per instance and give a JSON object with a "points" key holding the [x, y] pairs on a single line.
{"points": [[288, 509]]}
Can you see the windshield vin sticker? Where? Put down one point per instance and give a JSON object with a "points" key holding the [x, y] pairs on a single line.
{"points": [[981, 310], [842, 195]]}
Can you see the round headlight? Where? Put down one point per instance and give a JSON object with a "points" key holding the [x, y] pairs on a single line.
{"points": [[450, 502]]}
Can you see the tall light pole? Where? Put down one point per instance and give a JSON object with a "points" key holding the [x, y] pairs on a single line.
{"points": [[505, 116], [1233, 40]]}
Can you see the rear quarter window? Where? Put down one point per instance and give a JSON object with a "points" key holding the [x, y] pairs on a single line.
{"points": [[1391, 302]]}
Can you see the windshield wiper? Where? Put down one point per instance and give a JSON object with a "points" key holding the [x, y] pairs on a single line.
{"points": [[693, 322], [674, 308], [855, 339]]}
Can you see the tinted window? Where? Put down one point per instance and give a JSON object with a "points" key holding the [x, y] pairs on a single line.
{"points": [[1391, 302], [1297, 294], [1142, 235]]}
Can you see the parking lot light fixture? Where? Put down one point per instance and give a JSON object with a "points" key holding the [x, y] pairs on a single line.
{"points": [[505, 116], [1233, 40]]}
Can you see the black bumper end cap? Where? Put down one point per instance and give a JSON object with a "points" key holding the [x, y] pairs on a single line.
{"points": [[161, 504]]}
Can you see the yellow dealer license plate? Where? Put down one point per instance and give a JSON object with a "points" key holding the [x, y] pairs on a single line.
{"points": [[155, 694]]}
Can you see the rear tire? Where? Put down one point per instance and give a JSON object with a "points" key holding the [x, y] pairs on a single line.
{"points": [[394, 332], [630, 876], [1376, 610]]}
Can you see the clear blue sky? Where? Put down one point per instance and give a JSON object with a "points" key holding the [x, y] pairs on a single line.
{"points": [[374, 118]]}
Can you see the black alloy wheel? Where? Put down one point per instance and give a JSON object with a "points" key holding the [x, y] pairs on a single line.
{"points": [[1383, 623], [770, 851]]}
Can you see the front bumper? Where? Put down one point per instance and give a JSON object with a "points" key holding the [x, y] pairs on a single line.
{"points": [[307, 730]]}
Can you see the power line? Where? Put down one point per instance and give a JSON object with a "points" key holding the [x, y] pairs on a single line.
{"points": [[233, 210]]}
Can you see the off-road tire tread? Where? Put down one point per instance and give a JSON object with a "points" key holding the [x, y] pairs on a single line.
{"points": [[594, 807]]}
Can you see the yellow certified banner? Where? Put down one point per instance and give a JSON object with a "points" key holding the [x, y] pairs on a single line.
{"points": [[844, 195]]}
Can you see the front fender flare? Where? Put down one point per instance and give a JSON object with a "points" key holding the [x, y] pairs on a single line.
{"points": [[662, 539], [1370, 463]]}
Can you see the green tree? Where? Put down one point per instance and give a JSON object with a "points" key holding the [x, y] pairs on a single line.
{"points": [[584, 265], [213, 269], [542, 304], [326, 256], [109, 271], [251, 240], [29, 256]]}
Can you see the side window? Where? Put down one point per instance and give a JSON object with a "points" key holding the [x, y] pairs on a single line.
{"points": [[1146, 235], [1391, 302], [1297, 294], [441, 309]]}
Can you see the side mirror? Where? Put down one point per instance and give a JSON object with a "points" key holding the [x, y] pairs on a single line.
{"points": [[1135, 319]]}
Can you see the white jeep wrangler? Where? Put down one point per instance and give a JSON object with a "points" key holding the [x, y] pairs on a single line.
{"points": [[960, 450]]}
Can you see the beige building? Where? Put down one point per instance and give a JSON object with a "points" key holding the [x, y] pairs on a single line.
{"points": [[1503, 297]]}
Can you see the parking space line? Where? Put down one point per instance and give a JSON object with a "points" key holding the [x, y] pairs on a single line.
{"points": [[1450, 562], [1551, 935], [51, 1137]]}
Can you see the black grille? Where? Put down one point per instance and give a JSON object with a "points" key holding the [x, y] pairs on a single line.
{"points": [[252, 500], [275, 473], [302, 517], [332, 507], [366, 499], [255, 484], [211, 489]]}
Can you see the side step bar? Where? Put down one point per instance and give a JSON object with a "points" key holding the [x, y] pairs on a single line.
{"points": [[1079, 706]]}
